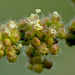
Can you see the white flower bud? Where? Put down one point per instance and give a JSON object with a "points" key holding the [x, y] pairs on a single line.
{"points": [[38, 11], [55, 13]]}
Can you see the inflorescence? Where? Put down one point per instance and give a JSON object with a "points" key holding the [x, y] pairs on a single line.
{"points": [[40, 36]]}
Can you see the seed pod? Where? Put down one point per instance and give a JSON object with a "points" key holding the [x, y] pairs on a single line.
{"points": [[38, 68], [47, 63], [54, 49], [35, 42], [6, 42], [43, 50]]}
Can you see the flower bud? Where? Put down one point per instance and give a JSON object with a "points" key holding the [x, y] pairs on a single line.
{"points": [[36, 60], [54, 49], [50, 41], [0, 36], [62, 33], [52, 32], [43, 50], [38, 68], [1, 53], [29, 51], [35, 42], [30, 66], [6, 42], [15, 37], [29, 35], [48, 63]]}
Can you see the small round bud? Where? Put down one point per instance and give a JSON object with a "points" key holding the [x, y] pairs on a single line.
{"points": [[35, 42], [36, 60], [52, 32], [22, 23], [29, 51], [62, 33], [12, 25], [6, 32], [0, 36], [12, 58], [48, 63], [6, 42], [38, 11], [1, 53], [30, 66], [15, 37], [43, 50], [54, 49], [38, 68], [50, 41], [38, 26], [29, 35]]}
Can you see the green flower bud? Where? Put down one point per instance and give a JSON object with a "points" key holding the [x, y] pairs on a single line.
{"points": [[55, 17], [62, 33], [15, 37], [36, 60], [50, 41], [29, 35], [7, 32], [30, 66], [38, 68], [12, 25], [11, 55], [52, 32], [1, 53], [1, 45], [22, 23], [12, 58], [29, 51], [43, 50], [6, 42], [17, 51], [47, 63], [0, 36], [35, 42], [54, 49]]}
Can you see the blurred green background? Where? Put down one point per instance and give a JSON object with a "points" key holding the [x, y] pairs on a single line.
{"points": [[17, 9]]}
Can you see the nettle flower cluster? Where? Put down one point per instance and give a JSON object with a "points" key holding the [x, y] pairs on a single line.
{"points": [[9, 41], [40, 36]]}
